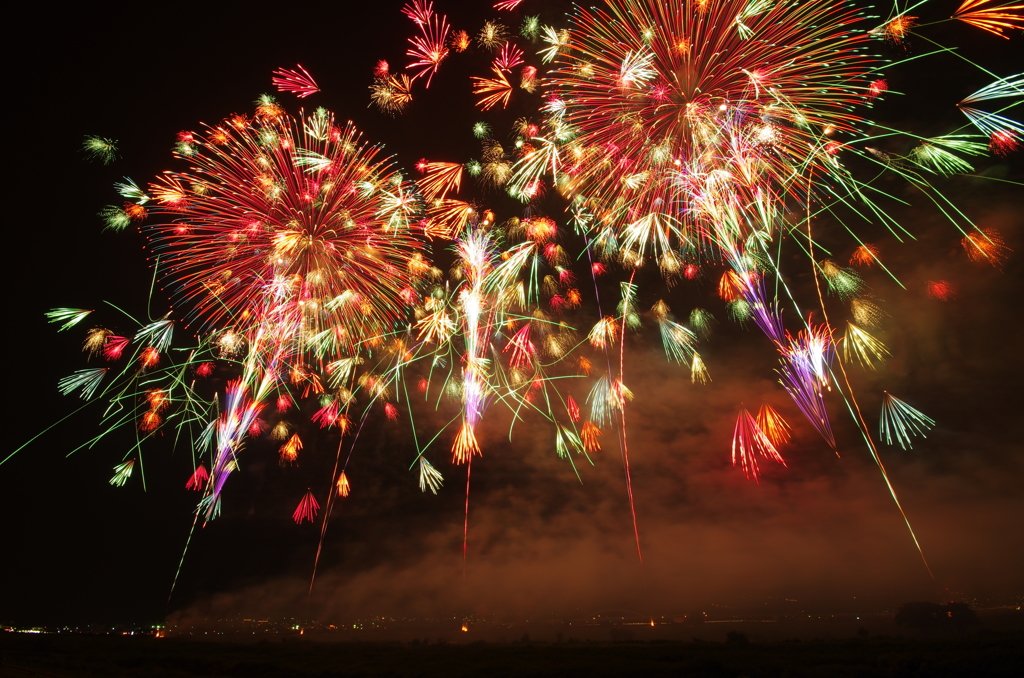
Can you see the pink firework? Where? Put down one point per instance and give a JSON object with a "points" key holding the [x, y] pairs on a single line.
{"points": [[299, 82], [307, 508], [429, 48], [573, 408], [748, 443], [114, 347], [508, 58], [942, 290], [521, 347], [197, 481]]}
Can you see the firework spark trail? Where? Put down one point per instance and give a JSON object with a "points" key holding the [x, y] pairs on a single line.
{"points": [[475, 253], [299, 82], [623, 449], [750, 441], [805, 358], [900, 421], [497, 90], [855, 412], [184, 552], [328, 510], [100, 149], [625, 446], [853, 406], [773, 425], [480, 313], [307, 508], [996, 20], [341, 483], [240, 412], [804, 374], [465, 524], [851, 403], [863, 426], [428, 49]]}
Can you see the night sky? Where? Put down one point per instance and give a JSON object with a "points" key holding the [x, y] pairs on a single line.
{"points": [[824, 530]]}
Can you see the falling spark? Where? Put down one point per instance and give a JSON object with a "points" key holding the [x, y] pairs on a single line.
{"points": [[900, 421]]}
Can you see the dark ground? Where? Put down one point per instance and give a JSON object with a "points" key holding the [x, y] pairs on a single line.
{"points": [[988, 653]]}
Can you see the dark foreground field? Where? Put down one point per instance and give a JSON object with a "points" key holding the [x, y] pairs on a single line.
{"points": [[74, 656]]}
